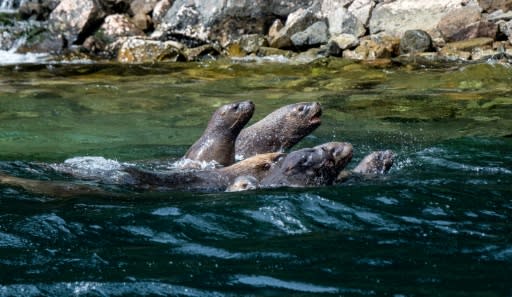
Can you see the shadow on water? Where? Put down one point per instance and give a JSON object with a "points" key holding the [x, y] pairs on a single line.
{"points": [[437, 225]]}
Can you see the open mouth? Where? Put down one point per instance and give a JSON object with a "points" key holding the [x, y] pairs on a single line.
{"points": [[315, 118]]}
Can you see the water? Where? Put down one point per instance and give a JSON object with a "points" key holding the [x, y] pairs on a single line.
{"points": [[439, 224]]}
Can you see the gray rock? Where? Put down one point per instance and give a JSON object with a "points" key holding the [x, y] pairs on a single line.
{"points": [[252, 42], [415, 41], [362, 10], [297, 21], [343, 21], [499, 15], [205, 19], [119, 25], [314, 35], [76, 19], [160, 10], [396, 17]]}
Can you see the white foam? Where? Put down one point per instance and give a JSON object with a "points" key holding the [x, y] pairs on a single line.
{"points": [[10, 57]]}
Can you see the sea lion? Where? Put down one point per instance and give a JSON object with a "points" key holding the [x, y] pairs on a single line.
{"points": [[373, 164], [217, 143], [308, 167], [280, 130], [141, 179], [378, 162], [63, 189], [203, 180], [243, 183]]}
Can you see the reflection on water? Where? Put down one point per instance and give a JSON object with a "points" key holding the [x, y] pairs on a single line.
{"points": [[438, 224]]}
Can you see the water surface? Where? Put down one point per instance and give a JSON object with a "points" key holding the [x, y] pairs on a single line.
{"points": [[439, 224]]}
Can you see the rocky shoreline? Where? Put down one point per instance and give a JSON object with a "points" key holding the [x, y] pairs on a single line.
{"points": [[146, 31]]}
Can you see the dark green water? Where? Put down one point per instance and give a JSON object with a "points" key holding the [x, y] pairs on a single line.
{"points": [[439, 224]]}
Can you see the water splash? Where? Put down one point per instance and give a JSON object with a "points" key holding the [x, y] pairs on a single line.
{"points": [[11, 57], [106, 170]]}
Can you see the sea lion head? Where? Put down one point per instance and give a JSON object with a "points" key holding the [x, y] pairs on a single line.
{"points": [[297, 121], [378, 162], [279, 130], [231, 118], [217, 144], [243, 183], [315, 166], [257, 166]]}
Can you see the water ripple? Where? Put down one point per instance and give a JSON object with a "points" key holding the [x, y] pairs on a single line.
{"points": [[281, 216], [11, 241], [267, 281], [160, 237], [84, 288], [207, 251]]}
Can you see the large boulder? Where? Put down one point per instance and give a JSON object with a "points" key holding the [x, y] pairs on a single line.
{"points": [[224, 21], [396, 17], [465, 23], [379, 46], [341, 21], [76, 19], [313, 36], [141, 50], [362, 10], [415, 41]]}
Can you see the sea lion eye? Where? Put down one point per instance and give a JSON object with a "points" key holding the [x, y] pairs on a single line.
{"points": [[300, 108], [235, 107]]}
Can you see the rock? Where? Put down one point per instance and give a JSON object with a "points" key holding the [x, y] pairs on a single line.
{"points": [[454, 54], [297, 21], [273, 31], [204, 20], [119, 25], [39, 10], [252, 42], [114, 27], [43, 42], [206, 51], [378, 47], [479, 53], [493, 5], [506, 29], [159, 11], [313, 36], [499, 15], [141, 11], [76, 19], [362, 10], [415, 41], [396, 17], [345, 41], [271, 51], [140, 50], [468, 45], [343, 21], [307, 57], [465, 23]]}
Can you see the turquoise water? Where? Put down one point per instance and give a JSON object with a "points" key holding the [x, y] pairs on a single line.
{"points": [[439, 224]]}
